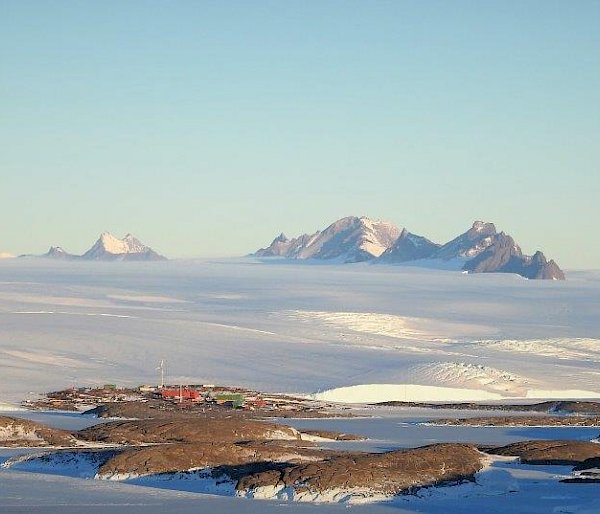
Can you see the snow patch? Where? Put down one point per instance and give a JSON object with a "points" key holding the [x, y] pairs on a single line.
{"points": [[472, 376], [561, 348], [354, 495], [80, 464], [390, 325], [373, 393], [557, 394], [15, 432], [9, 407], [48, 359]]}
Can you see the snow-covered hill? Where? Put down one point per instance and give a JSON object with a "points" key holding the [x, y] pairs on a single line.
{"points": [[296, 328]]}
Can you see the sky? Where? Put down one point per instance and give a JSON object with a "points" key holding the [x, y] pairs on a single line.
{"points": [[206, 128]]}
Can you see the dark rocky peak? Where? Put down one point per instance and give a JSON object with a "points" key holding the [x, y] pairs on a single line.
{"points": [[281, 238]]}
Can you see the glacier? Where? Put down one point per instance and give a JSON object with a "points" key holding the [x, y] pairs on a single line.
{"points": [[294, 327]]}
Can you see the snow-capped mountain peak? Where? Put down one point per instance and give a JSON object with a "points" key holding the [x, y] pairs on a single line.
{"points": [[109, 247], [349, 239], [481, 249], [482, 226], [111, 244]]}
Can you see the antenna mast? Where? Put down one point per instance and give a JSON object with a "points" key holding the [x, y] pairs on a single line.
{"points": [[161, 368]]}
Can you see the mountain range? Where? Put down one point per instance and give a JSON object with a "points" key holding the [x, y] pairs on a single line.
{"points": [[108, 248], [481, 249]]}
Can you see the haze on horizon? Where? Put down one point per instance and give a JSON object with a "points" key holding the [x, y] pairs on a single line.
{"points": [[206, 128]]}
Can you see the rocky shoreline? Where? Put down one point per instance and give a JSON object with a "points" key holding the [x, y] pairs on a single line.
{"points": [[518, 421], [239, 452]]}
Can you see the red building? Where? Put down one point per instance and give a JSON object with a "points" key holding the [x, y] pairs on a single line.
{"points": [[177, 394]]}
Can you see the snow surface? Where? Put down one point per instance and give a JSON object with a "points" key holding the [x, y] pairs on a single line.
{"points": [[115, 245], [9, 407], [295, 328], [372, 393]]}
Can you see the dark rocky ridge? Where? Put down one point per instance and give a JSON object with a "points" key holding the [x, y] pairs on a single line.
{"points": [[389, 473], [187, 430], [552, 406], [564, 453], [521, 421], [172, 458], [271, 466], [505, 256]]}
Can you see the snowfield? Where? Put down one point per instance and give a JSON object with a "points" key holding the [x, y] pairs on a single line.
{"points": [[297, 327]]}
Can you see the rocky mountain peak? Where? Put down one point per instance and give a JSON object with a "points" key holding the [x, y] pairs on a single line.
{"points": [[481, 249], [482, 227], [349, 239]]}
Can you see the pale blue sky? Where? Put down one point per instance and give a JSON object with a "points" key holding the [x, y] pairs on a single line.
{"points": [[206, 128]]}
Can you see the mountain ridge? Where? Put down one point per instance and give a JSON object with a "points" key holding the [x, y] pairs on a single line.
{"points": [[349, 239], [107, 248], [481, 249]]}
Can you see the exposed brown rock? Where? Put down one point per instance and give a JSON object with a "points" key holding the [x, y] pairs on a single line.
{"points": [[16, 432], [553, 406], [550, 452], [188, 430], [151, 409], [521, 421], [388, 473], [334, 436], [138, 410], [577, 407], [182, 457]]}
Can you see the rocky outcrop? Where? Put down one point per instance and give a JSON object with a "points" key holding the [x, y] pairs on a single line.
{"points": [[56, 252], [188, 430], [330, 435], [173, 458], [565, 453], [275, 470], [521, 421], [505, 256], [470, 244], [366, 475], [586, 472], [540, 268], [16, 432], [554, 406], [349, 239], [279, 247], [134, 409], [409, 247], [576, 407]]}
